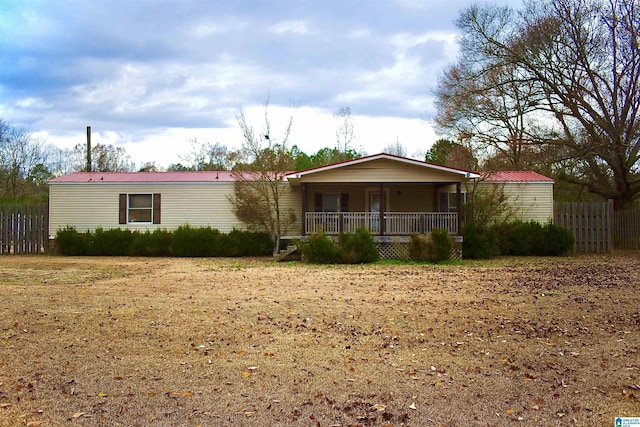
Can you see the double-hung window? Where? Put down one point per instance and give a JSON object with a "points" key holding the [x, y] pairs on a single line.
{"points": [[140, 208]]}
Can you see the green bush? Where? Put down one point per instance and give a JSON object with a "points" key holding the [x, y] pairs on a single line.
{"points": [[479, 242], [183, 242], [70, 242], [435, 247], [321, 249], [419, 247], [442, 245], [557, 240], [156, 243], [113, 242], [520, 238], [246, 243], [197, 242], [358, 248]]}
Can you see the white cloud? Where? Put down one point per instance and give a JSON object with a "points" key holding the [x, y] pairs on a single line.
{"points": [[289, 27]]}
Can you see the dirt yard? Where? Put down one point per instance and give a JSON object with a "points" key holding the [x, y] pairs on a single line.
{"points": [[221, 342]]}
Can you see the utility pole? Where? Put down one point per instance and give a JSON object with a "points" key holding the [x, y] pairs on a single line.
{"points": [[88, 148]]}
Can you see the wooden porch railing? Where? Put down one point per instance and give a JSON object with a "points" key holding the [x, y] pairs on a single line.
{"points": [[395, 223]]}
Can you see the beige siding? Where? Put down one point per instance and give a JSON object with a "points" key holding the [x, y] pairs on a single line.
{"points": [[291, 199], [530, 200], [89, 206], [382, 170]]}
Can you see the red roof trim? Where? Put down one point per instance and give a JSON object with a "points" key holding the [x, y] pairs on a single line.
{"points": [[182, 176], [515, 176]]}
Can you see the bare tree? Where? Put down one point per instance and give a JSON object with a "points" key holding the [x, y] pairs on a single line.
{"points": [[575, 65], [345, 132], [23, 159], [259, 183], [207, 156], [104, 158], [395, 148]]}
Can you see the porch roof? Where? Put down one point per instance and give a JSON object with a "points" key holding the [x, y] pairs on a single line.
{"points": [[381, 167]]}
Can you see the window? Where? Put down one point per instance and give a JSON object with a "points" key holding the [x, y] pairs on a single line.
{"points": [[332, 202], [448, 201], [140, 208]]}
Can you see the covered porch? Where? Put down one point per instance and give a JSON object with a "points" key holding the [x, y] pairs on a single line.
{"points": [[388, 195], [383, 224], [386, 209]]}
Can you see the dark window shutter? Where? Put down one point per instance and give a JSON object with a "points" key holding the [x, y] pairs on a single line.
{"points": [[156, 208], [318, 197], [122, 209], [444, 202], [344, 202]]}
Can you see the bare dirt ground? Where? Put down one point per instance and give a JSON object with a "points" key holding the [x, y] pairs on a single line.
{"points": [[173, 342]]}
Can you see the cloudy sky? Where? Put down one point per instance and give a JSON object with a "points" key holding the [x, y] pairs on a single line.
{"points": [[150, 75]]}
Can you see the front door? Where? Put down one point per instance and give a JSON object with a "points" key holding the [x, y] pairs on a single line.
{"points": [[374, 203]]}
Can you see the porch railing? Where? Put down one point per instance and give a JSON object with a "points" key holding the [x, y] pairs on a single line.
{"points": [[395, 223]]}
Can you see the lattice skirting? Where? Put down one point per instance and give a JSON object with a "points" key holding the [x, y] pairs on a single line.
{"points": [[400, 250]]}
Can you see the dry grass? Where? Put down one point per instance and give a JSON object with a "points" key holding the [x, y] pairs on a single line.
{"points": [[121, 341]]}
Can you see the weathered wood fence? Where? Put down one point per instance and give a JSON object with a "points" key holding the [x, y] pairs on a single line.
{"points": [[597, 228], [626, 228], [591, 224], [24, 229]]}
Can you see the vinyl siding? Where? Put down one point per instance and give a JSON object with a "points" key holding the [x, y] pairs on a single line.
{"points": [[530, 200], [382, 170], [88, 206]]}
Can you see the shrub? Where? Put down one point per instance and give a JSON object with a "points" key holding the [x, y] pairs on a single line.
{"points": [[197, 242], [246, 243], [70, 242], [479, 241], [435, 247], [183, 242], [419, 247], [520, 238], [442, 245], [156, 243], [557, 240], [358, 248], [321, 249], [114, 242]]}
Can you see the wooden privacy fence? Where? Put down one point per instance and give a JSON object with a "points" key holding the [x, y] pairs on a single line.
{"points": [[591, 224], [24, 229], [626, 228]]}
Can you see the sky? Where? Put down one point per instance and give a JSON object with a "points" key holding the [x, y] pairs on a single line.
{"points": [[152, 75]]}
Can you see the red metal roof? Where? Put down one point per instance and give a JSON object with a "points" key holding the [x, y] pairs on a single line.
{"points": [[516, 176], [182, 176]]}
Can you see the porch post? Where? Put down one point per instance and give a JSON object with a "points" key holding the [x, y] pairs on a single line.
{"points": [[304, 209], [459, 205], [382, 208]]}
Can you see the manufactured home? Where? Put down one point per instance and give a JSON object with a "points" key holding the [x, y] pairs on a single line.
{"points": [[390, 195]]}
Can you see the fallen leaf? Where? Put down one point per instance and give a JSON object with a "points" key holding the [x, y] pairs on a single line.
{"points": [[102, 394], [78, 414], [188, 393], [509, 411], [378, 407]]}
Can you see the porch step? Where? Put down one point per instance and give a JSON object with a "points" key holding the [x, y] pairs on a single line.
{"points": [[287, 254]]}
